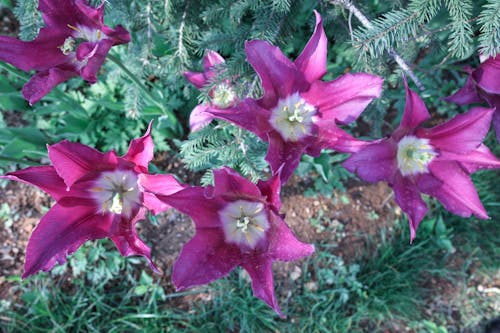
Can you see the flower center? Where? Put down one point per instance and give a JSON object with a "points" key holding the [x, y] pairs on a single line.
{"points": [[117, 192], [223, 96], [244, 222], [81, 34], [414, 155], [293, 117]]}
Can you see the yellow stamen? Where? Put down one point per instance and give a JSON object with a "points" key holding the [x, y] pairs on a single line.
{"points": [[74, 28]]}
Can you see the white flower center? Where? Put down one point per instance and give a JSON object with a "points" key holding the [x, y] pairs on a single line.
{"points": [[244, 222], [414, 155], [81, 34], [293, 117], [117, 192], [223, 96]]}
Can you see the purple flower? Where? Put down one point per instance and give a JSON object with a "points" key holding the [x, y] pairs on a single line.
{"points": [[298, 112], [237, 224], [97, 195], [483, 85], [222, 94], [74, 42], [436, 161]]}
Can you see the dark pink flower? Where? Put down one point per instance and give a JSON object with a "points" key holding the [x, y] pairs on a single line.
{"points": [[97, 195], [237, 224], [222, 94], [299, 113], [436, 161], [483, 85], [74, 42]]}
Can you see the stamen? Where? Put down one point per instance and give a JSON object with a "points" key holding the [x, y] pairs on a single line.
{"points": [[74, 28], [293, 117], [414, 155]]}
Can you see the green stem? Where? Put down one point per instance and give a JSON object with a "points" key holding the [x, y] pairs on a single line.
{"points": [[132, 77], [13, 71], [17, 160]]}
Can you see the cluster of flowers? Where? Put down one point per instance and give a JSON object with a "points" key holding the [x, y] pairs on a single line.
{"points": [[238, 223]]}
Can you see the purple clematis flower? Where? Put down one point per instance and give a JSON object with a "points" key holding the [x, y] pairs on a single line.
{"points": [[222, 95], [237, 224], [436, 161], [299, 113], [483, 85], [97, 195], [74, 42]]}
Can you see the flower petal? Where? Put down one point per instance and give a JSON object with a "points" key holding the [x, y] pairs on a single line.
{"points": [[278, 74], [284, 156], [271, 188], [211, 59], [487, 75], [375, 162], [119, 35], [457, 193], [465, 95], [44, 177], [158, 184], [140, 150], [496, 121], [463, 133], [408, 197], [414, 114], [43, 82], [478, 159], [228, 184], [58, 14], [61, 232], [259, 267], [312, 60], [203, 259], [284, 245], [344, 98], [332, 137], [89, 72], [199, 118], [196, 78], [73, 160]]}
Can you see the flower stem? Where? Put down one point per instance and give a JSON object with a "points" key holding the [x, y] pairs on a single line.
{"points": [[132, 77]]}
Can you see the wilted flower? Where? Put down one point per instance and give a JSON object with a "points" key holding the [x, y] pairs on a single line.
{"points": [[222, 95], [483, 85], [299, 113], [74, 42], [97, 195], [436, 161], [237, 224]]}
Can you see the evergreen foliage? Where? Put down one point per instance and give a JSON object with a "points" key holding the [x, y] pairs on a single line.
{"points": [[489, 19], [29, 17]]}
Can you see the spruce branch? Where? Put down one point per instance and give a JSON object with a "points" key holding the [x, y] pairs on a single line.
{"points": [[347, 4], [489, 20]]}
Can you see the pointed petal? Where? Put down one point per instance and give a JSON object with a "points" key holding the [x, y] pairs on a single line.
{"points": [[496, 121], [203, 259], [196, 78], [284, 156], [158, 184], [128, 242], [283, 243], [44, 177], [43, 82], [463, 133], [228, 183], [89, 72], [211, 59], [58, 14], [408, 197], [248, 115], [86, 50], [278, 74], [487, 75], [260, 270], [140, 150], [312, 60], [344, 98], [119, 35], [457, 194], [199, 118], [465, 95], [332, 137], [414, 114], [94, 14], [478, 159], [271, 188], [375, 162], [61, 232], [73, 160]]}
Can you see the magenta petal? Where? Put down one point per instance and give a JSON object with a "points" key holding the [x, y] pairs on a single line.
{"points": [[284, 156], [408, 198], [128, 242], [414, 114], [211, 59], [260, 270], [463, 133], [44, 177], [140, 150], [94, 14], [43, 82], [89, 72], [203, 259], [158, 184], [332, 137], [73, 160], [119, 35], [271, 188], [57, 14], [229, 183], [61, 232], [196, 78], [457, 194], [283, 243], [312, 60], [465, 95], [199, 118], [496, 121], [478, 159], [277, 73], [344, 98], [375, 162], [487, 75], [86, 50]]}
